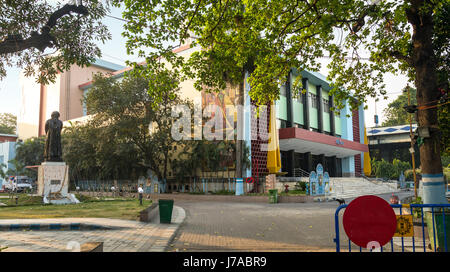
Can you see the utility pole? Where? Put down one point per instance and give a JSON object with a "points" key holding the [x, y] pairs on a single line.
{"points": [[412, 143]]}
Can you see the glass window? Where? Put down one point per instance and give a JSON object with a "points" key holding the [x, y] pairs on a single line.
{"points": [[326, 105], [313, 100]]}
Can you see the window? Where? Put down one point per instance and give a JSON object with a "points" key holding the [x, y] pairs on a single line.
{"points": [[313, 99], [326, 105], [298, 97]]}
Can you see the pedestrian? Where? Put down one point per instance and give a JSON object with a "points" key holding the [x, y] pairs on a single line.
{"points": [[141, 192], [113, 190]]}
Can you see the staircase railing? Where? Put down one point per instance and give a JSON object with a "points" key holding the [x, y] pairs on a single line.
{"points": [[298, 172]]}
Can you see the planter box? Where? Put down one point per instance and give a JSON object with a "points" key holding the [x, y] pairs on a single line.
{"points": [[295, 199]]}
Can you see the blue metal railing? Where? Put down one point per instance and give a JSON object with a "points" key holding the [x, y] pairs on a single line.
{"points": [[411, 208]]}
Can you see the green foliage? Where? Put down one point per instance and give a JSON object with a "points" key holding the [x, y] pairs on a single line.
{"points": [[301, 186], [31, 27], [267, 39], [417, 212], [224, 192], [30, 152], [8, 123], [3, 174], [395, 114], [117, 142], [24, 200], [409, 175], [384, 169], [444, 126]]}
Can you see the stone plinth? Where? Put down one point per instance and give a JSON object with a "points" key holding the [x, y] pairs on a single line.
{"points": [[53, 183]]}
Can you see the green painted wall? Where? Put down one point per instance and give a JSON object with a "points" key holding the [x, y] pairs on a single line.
{"points": [[326, 122], [337, 124], [281, 108], [312, 88], [298, 112]]}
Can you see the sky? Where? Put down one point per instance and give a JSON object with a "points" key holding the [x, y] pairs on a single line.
{"points": [[114, 51]]}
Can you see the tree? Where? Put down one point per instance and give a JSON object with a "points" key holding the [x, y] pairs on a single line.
{"points": [[8, 123], [397, 115], [395, 112], [31, 27], [30, 152], [3, 174], [271, 37], [123, 113]]}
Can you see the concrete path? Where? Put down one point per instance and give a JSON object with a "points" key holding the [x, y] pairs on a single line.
{"points": [[125, 235]]}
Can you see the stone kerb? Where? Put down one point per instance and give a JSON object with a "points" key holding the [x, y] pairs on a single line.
{"points": [[149, 214]]}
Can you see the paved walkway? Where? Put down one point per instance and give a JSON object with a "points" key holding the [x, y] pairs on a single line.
{"points": [[216, 226], [227, 226], [125, 235]]}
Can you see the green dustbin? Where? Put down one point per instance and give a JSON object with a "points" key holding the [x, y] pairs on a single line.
{"points": [[165, 210], [273, 196]]}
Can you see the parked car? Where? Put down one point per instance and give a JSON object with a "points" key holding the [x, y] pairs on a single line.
{"points": [[18, 183]]}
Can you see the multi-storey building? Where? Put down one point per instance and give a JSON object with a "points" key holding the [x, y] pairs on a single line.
{"points": [[38, 101], [309, 131]]}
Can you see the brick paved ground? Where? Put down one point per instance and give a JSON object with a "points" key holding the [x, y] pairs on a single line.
{"points": [[220, 226], [127, 236], [256, 227]]}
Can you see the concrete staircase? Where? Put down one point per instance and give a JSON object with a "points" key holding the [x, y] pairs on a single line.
{"points": [[354, 187]]}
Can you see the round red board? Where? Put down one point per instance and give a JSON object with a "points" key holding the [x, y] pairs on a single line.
{"points": [[369, 219]]}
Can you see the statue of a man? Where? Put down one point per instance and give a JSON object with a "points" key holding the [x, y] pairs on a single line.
{"points": [[53, 127]]}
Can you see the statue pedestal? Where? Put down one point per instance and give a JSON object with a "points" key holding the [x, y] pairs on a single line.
{"points": [[53, 183]]}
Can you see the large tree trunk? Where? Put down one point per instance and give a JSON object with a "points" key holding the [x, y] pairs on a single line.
{"points": [[424, 62]]}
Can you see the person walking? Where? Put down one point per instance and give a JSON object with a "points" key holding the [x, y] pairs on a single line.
{"points": [[141, 192]]}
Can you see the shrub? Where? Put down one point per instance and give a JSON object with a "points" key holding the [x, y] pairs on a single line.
{"points": [[384, 169]]}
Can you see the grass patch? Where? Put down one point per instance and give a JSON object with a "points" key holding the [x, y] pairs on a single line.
{"points": [[120, 209], [224, 192], [293, 193]]}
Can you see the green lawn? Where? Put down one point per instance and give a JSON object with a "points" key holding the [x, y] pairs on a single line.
{"points": [[120, 209]]}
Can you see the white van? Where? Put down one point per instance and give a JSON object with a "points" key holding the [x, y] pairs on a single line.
{"points": [[20, 183]]}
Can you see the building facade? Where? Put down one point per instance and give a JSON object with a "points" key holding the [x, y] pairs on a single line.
{"points": [[392, 142], [309, 132], [7, 153], [38, 101]]}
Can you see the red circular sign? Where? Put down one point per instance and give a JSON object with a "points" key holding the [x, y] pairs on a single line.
{"points": [[250, 180], [369, 219]]}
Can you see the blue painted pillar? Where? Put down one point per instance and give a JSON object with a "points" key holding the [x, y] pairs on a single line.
{"points": [[433, 189], [239, 186]]}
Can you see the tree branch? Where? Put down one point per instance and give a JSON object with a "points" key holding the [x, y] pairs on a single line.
{"points": [[400, 57], [15, 43]]}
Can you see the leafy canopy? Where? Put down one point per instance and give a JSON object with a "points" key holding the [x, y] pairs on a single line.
{"points": [[8, 123], [363, 39], [69, 32]]}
